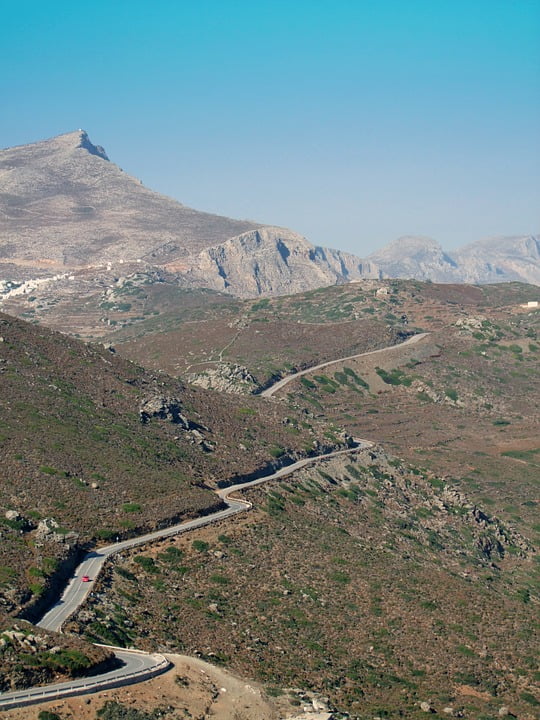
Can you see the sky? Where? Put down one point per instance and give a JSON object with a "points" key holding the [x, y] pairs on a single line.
{"points": [[352, 122]]}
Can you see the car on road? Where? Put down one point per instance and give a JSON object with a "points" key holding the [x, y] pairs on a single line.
{"points": [[85, 578]]}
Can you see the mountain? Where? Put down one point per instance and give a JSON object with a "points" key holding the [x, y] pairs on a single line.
{"points": [[503, 259], [66, 208], [506, 258], [416, 257]]}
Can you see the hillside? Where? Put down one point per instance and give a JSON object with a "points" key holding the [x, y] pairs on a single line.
{"points": [[401, 579], [95, 447], [210, 339], [366, 581]]}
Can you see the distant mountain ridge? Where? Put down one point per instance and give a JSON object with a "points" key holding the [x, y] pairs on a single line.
{"points": [[67, 211], [503, 259]]}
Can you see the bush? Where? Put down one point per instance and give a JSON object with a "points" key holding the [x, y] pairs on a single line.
{"points": [[147, 563], [200, 545], [395, 377], [113, 710], [131, 507]]}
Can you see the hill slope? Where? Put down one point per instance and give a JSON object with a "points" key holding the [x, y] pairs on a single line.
{"points": [[94, 447]]}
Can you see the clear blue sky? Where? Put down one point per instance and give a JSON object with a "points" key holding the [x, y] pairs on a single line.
{"points": [[350, 121]]}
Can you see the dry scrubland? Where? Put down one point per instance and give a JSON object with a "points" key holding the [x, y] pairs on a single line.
{"points": [[366, 580], [95, 448], [380, 582]]}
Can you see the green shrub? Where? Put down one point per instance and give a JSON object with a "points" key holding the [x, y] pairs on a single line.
{"points": [[147, 563], [529, 697], [220, 579], [48, 470], [394, 377], [131, 507], [200, 545], [113, 710]]}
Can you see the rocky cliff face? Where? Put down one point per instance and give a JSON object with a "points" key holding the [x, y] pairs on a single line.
{"points": [[493, 260], [66, 208], [274, 261]]}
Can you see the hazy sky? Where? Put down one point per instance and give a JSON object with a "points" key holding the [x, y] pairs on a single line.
{"points": [[350, 121]]}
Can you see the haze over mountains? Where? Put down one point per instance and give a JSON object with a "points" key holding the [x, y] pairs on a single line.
{"points": [[65, 208], [486, 261]]}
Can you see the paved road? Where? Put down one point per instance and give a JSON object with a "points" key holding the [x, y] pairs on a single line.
{"points": [[289, 378], [137, 666], [77, 591]]}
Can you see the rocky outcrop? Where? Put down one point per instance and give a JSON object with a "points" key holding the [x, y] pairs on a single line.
{"points": [[32, 656], [229, 378], [165, 408], [274, 261]]}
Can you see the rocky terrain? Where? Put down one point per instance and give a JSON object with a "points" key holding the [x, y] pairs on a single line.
{"points": [[401, 582], [84, 246], [271, 337], [392, 585], [30, 656], [503, 259]]}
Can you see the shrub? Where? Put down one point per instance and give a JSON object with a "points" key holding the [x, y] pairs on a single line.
{"points": [[219, 579], [395, 377], [147, 563], [48, 470], [200, 545], [131, 507]]}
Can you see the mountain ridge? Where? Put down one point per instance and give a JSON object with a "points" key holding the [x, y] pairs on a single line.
{"points": [[65, 205], [499, 259]]}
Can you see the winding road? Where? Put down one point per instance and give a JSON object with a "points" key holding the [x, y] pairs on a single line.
{"points": [[270, 391], [137, 665]]}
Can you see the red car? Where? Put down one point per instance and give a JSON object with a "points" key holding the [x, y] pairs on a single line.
{"points": [[85, 578]]}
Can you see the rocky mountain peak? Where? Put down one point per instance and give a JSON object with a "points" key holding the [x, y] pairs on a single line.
{"points": [[86, 144], [408, 246]]}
